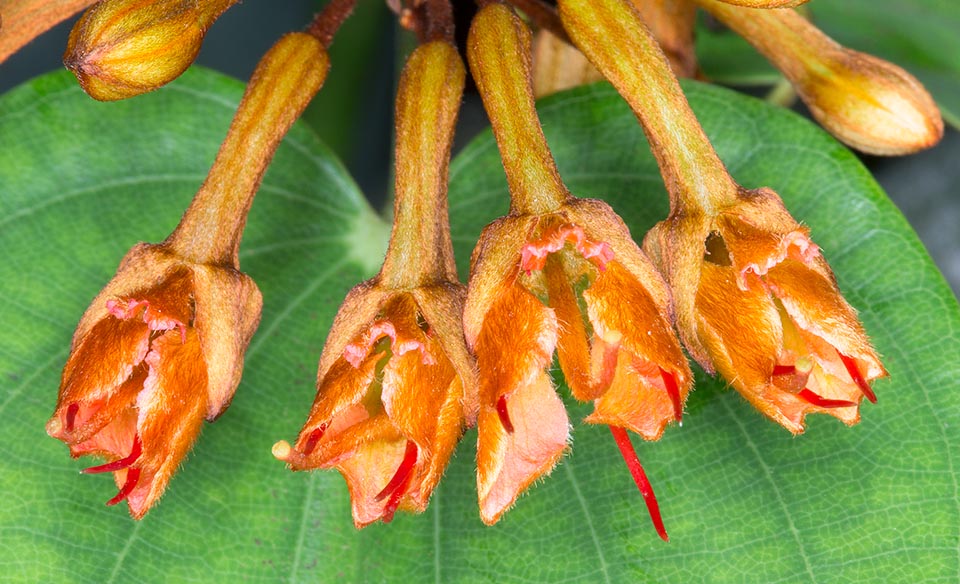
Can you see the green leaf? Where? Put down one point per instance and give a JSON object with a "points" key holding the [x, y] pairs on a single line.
{"points": [[742, 499], [919, 36]]}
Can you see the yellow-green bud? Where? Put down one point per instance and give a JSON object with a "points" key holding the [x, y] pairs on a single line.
{"points": [[122, 48]]}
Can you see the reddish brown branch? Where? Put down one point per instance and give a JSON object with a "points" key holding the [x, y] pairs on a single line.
{"points": [[327, 22], [544, 15]]}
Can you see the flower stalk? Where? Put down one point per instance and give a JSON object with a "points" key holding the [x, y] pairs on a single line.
{"points": [[25, 20], [501, 63], [421, 251], [288, 76], [693, 173]]}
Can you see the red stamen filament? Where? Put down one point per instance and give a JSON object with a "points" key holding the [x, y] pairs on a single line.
{"points": [[313, 438], [72, 411], [504, 415], [636, 470], [854, 372], [133, 476], [784, 370], [820, 401], [399, 482], [670, 383], [409, 459], [119, 464]]}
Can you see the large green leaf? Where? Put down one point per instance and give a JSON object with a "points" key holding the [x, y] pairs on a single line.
{"points": [[919, 36], [743, 501]]}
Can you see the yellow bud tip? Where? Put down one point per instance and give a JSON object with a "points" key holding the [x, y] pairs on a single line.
{"points": [[54, 426], [281, 450], [804, 365]]}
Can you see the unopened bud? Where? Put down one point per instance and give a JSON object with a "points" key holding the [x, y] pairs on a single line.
{"points": [[122, 48], [868, 103], [871, 104]]}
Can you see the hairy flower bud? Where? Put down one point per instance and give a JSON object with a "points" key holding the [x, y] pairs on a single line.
{"points": [[866, 102], [122, 48], [160, 349]]}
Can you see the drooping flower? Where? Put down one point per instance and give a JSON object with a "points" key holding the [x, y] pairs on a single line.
{"points": [[758, 303], [557, 273], [755, 300], [390, 403], [161, 347], [159, 350], [571, 281], [396, 385]]}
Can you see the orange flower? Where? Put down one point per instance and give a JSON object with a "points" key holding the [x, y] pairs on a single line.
{"points": [[396, 385], [757, 302], [160, 349], [557, 273], [573, 281], [390, 403]]}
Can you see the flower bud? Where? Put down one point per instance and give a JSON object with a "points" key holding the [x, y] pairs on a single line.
{"points": [[866, 102], [159, 350], [871, 104], [558, 273], [122, 48]]}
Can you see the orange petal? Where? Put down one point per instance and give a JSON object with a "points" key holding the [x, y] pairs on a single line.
{"points": [[515, 343], [508, 462], [638, 399], [171, 410], [740, 328], [816, 305], [104, 359], [621, 309], [573, 346]]}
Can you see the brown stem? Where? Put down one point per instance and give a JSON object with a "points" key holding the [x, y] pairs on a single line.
{"points": [[428, 100], [498, 49], [327, 22], [439, 21], [24, 20], [284, 82], [543, 15]]}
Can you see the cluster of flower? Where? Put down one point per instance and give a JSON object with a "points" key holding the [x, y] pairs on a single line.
{"points": [[414, 357]]}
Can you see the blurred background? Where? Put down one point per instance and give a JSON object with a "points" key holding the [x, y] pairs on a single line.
{"points": [[353, 113]]}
